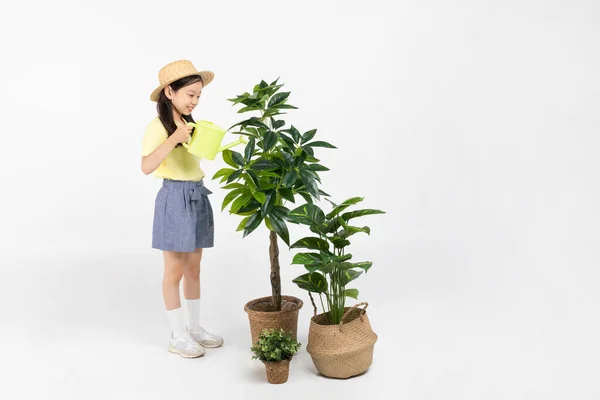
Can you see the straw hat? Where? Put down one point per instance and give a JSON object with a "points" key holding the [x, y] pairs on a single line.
{"points": [[177, 70]]}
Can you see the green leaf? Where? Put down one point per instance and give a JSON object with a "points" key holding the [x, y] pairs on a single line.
{"points": [[328, 267], [281, 228], [282, 212], [317, 167], [365, 265], [290, 178], [278, 98], [339, 208], [268, 224], [288, 157], [253, 223], [311, 185], [285, 106], [260, 197], [295, 134], [287, 140], [300, 157], [308, 214], [338, 242], [264, 164], [242, 224], [353, 293], [251, 108], [269, 203], [253, 178], [306, 258], [272, 112], [287, 194], [249, 150], [237, 158], [312, 243], [225, 172], [269, 140], [277, 124], [230, 196], [233, 186], [254, 121], [321, 144], [359, 213], [311, 152], [313, 282], [349, 276], [264, 174], [351, 230], [308, 135], [241, 201], [266, 185], [227, 157], [306, 197], [250, 207]]}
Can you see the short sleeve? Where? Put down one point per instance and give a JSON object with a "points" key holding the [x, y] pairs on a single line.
{"points": [[154, 136]]}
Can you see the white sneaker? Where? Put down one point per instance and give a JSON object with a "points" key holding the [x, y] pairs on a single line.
{"points": [[206, 339], [185, 346]]}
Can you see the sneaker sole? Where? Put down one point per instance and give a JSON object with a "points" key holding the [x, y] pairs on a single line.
{"points": [[209, 346], [174, 350]]}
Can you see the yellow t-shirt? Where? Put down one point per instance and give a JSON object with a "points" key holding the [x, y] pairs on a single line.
{"points": [[179, 164]]}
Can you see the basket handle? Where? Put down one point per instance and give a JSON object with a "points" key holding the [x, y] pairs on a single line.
{"points": [[313, 303], [364, 310]]}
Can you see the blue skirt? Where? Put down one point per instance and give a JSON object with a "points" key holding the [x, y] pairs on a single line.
{"points": [[183, 217]]}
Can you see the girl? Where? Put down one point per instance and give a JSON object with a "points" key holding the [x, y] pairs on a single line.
{"points": [[183, 217]]}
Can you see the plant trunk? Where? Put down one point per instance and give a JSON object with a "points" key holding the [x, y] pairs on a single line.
{"points": [[275, 277]]}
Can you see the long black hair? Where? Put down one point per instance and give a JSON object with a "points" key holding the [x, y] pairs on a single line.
{"points": [[164, 106]]}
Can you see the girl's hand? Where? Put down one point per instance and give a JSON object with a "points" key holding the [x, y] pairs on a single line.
{"points": [[182, 134]]}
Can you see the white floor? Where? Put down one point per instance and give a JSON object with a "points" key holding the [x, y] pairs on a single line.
{"points": [[94, 328]]}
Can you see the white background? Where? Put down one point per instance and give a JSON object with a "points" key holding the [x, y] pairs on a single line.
{"points": [[473, 124]]}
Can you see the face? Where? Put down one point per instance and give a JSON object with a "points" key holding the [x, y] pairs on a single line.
{"points": [[185, 99]]}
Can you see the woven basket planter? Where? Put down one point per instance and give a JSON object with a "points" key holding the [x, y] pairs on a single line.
{"points": [[344, 350], [287, 318], [277, 371]]}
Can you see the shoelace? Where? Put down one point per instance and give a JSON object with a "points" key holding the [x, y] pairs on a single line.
{"points": [[201, 331], [190, 343]]}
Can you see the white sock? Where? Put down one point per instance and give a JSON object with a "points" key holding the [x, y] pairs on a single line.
{"points": [[177, 321], [192, 313]]}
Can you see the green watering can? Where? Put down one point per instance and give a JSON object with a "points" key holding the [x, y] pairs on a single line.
{"points": [[206, 141]]}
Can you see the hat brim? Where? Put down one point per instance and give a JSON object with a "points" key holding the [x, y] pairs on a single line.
{"points": [[207, 77]]}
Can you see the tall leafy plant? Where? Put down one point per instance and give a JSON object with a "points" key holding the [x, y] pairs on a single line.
{"points": [[277, 165], [328, 263]]}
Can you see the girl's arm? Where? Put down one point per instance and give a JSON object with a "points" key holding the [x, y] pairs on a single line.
{"points": [[154, 159]]}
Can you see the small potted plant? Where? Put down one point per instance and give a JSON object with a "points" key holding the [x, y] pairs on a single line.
{"points": [[275, 348], [340, 339], [277, 167]]}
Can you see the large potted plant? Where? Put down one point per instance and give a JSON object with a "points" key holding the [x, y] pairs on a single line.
{"points": [[276, 167], [340, 339]]}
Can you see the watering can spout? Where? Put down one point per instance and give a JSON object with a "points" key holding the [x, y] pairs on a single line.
{"points": [[241, 140]]}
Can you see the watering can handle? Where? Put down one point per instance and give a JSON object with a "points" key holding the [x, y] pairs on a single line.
{"points": [[187, 144]]}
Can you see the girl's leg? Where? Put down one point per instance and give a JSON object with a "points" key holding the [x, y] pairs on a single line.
{"points": [[191, 275], [180, 342], [191, 289], [174, 266]]}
